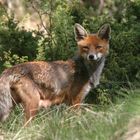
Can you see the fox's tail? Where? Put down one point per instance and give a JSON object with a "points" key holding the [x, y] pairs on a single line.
{"points": [[5, 97]]}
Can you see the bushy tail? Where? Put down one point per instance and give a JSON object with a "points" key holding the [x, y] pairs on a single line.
{"points": [[5, 98]]}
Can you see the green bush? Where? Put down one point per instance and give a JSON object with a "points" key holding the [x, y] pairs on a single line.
{"points": [[16, 45]]}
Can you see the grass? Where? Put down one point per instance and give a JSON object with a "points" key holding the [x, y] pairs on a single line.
{"points": [[91, 122]]}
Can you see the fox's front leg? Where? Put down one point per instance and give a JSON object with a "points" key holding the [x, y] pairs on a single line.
{"points": [[80, 95], [77, 101], [76, 105]]}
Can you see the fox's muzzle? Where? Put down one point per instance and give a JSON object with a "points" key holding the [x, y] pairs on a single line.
{"points": [[94, 57]]}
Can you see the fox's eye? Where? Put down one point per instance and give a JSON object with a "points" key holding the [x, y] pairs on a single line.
{"points": [[98, 47], [85, 48]]}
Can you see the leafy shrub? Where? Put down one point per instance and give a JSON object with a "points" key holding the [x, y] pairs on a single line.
{"points": [[16, 45]]}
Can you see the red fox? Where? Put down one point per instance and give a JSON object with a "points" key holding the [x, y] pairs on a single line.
{"points": [[42, 84]]}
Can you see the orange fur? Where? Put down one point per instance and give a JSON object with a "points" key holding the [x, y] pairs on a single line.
{"points": [[42, 84]]}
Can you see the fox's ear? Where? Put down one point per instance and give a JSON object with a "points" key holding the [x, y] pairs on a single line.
{"points": [[80, 32], [104, 32]]}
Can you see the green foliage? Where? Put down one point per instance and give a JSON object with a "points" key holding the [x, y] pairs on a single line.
{"points": [[13, 59], [59, 42], [16, 45]]}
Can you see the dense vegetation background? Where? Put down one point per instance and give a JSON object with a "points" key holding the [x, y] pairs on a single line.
{"points": [[56, 40]]}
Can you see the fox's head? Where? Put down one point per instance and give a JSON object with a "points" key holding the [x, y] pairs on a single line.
{"points": [[93, 46]]}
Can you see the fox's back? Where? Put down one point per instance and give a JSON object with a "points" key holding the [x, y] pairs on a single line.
{"points": [[49, 76]]}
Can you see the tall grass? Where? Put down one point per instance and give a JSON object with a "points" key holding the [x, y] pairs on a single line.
{"points": [[91, 122]]}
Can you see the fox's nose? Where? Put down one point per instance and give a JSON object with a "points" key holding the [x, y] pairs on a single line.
{"points": [[91, 57]]}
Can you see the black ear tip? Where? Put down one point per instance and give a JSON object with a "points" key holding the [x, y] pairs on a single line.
{"points": [[106, 25], [80, 32], [104, 31]]}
